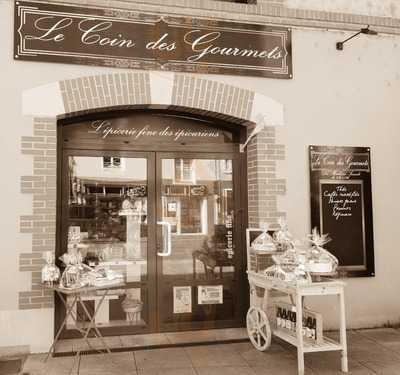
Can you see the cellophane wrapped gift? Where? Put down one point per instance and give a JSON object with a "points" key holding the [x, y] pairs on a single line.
{"points": [[50, 272], [264, 242], [320, 260], [282, 237], [289, 267], [71, 277]]}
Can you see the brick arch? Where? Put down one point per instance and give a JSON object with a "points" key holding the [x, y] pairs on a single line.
{"points": [[136, 88], [67, 97]]}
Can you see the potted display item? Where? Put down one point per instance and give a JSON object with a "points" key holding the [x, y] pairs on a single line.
{"points": [[132, 307]]}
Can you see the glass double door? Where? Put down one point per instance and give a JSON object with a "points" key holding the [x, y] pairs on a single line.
{"points": [[166, 222]]}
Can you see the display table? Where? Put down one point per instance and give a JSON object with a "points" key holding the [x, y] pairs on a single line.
{"points": [[259, 328], [78, 297]]}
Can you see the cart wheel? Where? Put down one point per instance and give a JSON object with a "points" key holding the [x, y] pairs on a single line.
{"points": [[258, 328]]}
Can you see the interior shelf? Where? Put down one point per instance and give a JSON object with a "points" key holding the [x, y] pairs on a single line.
{"points": [[122, 262]]}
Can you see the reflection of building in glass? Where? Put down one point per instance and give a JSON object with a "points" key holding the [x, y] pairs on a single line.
{"points": [[197, 194]]}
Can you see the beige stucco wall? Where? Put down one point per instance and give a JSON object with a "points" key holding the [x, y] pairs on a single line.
{"points": [[382, 8], [336, 98]]}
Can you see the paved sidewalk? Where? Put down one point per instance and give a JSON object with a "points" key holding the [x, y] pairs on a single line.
{"points": [[371, 352]]}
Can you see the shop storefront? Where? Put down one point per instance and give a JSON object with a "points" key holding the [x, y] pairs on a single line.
{"points": [[157, 201], [149, 164]]}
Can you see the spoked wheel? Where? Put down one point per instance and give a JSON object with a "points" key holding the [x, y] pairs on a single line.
{"points": [[258, 328]]}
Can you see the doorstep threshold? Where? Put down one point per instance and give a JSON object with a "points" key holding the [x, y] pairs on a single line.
{"points": [[70, 347]]}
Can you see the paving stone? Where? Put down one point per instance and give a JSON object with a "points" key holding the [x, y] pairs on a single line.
{"points": [[280, 370], [330, 364], [162, 358], [382, 335], [169, 371], [114, 363], [227, 370], [383, 367], [35, 365], [214, 355]]}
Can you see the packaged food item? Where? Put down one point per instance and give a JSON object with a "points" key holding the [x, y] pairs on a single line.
{"points": [[50, 272], [282, 237], [290, 267], [264, 242], [320, 260]]}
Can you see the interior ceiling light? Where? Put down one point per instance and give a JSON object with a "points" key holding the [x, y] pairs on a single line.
{"points": [[364, 30]]}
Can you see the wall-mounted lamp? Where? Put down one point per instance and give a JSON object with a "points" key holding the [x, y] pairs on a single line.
{"points": [[364, 30]]}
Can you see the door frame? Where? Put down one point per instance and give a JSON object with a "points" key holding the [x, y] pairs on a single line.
{"points": [[77, 147]]}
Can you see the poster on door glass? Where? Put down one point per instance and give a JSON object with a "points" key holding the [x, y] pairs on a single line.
{"points": [[210, 295], [182, 299]]}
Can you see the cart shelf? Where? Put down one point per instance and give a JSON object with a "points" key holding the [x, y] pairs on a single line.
{"points": [[328, 344]]}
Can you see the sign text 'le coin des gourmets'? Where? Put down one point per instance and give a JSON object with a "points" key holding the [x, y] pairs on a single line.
{"points": [[61, 33]]}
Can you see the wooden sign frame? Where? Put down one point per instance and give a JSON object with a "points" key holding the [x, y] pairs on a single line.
{"points": [[52, 32]]}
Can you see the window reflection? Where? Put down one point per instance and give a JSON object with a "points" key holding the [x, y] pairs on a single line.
{"points": [[197, 200], [107, 221]]}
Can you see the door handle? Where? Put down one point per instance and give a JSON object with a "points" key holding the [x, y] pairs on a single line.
{"points": [[166, 240]]}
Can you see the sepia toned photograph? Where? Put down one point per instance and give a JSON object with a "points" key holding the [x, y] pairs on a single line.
{"points": [[200, 187]]}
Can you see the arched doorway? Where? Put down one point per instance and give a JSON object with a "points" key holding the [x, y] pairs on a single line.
{"points": [[158, 195]]}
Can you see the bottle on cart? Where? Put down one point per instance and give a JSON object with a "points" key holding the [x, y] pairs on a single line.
{"points": [[308, 328], [314, 329], [294, 318], [278, 317], [304, 328], [289, 320], [283, 319]]}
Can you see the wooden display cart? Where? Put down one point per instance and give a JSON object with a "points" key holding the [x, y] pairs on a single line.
{"points": [[258, 325]]}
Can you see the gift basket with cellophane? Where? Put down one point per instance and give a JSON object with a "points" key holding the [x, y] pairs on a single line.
{"points": [[299, 262], [320, 260]]}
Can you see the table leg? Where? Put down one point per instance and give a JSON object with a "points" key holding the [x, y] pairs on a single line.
{"points": [[92, 324], [343, 338], [75, 319], [67, 314], [89, 328], [299, 332]]}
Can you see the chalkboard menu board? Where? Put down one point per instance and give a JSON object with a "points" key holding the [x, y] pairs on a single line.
{"points": [[341, 205]]}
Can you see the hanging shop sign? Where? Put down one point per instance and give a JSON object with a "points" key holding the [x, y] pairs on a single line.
{"points": [[341, 204], [128, 39]]}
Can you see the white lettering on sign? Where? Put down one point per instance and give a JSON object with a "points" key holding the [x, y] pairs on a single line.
{"points": [[50, 31], [104, 128], [91, 34], [341, 201], [161, 44], [229, 236], [203, 45]]}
